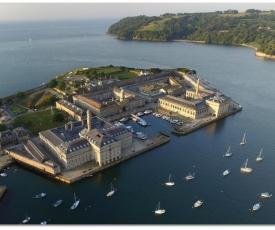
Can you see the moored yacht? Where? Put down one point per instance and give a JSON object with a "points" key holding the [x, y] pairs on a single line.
{"points": [[266, 195], [198, 203], [245, 169]]}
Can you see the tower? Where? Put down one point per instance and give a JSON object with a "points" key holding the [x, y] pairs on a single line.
{"points": [[121, 94], [198, 86], [89, 120]]}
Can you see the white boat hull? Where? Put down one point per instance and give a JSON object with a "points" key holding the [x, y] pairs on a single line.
{"points": [[169, 183], [256, 207], [246, 170], [110, 193], [266, 195], [225, 173], [74, 206], [198, 204], [160, 211]]}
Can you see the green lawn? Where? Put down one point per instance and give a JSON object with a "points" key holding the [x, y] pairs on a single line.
{"points": [[38, 121]]}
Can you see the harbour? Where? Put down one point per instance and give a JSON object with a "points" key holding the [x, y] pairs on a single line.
{"points": [[227, 200]]}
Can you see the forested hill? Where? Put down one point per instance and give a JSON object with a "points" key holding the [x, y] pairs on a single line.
{"points": [[254, 27]]}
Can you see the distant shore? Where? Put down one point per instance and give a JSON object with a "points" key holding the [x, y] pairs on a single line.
{"points": [[257, 54]]}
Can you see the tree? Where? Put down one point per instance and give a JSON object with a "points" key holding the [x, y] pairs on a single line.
{"points": [[52, 83], [61, 85], [57, 117], [20, 95], [3, 127]]}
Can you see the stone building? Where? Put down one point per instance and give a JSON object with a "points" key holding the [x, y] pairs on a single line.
{"points": [[72, 110], [91, 140], [33, 155], [12, 137], [201, 102], [109, 103]]}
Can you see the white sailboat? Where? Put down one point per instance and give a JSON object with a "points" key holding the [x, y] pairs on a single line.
{"points": [[190, 176], [243, 142], [228, 153], [245, 169], [158, 210], [169, 183], [76, 202], [112, 191], [260, 158], [26, 219]]}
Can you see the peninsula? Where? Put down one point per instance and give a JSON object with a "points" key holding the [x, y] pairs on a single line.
{"points": [[252, 28], [73, 127]]}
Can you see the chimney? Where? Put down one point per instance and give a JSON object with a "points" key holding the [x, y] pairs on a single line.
{"points": [[89, 120], [66, 127], [72, 125], [122, 94], [198, 86]]}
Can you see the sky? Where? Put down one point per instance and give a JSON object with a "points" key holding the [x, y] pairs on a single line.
{"points": [[14, 10]]}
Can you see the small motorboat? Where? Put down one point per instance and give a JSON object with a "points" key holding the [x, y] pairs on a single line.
{"points": [[198, 203], [256, 206], [41, 195], [3, 174], [266, 195], [226, 172], [57, 203], [43, 222]]}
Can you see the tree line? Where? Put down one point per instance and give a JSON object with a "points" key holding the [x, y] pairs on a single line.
{"points": [[253, 27]]}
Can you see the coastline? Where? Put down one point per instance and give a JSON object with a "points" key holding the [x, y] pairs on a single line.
{"points": [[257, 54]]}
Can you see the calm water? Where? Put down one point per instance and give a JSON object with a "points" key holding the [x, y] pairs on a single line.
{"points": [[57, 47]]}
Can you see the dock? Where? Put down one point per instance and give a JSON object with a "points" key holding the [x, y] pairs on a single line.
{"points": [[2, 190]]}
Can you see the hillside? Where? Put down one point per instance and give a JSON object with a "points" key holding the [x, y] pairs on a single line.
{"points": [[253, 28]]}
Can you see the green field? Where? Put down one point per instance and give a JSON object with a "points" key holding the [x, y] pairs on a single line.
{"points": [[108, 71], [38, 121]]}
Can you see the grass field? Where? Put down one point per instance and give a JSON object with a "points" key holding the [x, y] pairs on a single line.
{"points": [[108, 70], [38, 121]]}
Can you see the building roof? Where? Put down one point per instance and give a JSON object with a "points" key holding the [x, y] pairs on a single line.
{"points": [[36, 151], [195, 105], [74, 145], [98, 138], [72, 107]]}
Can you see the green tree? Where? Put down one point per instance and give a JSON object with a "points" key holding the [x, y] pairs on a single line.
{"points": [[3, 127], [20, 95], [52, 83], [61, 85], [57, 117]]}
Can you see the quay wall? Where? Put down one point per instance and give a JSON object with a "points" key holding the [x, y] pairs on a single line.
{"points": [[156, 141], [187, 131]]}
